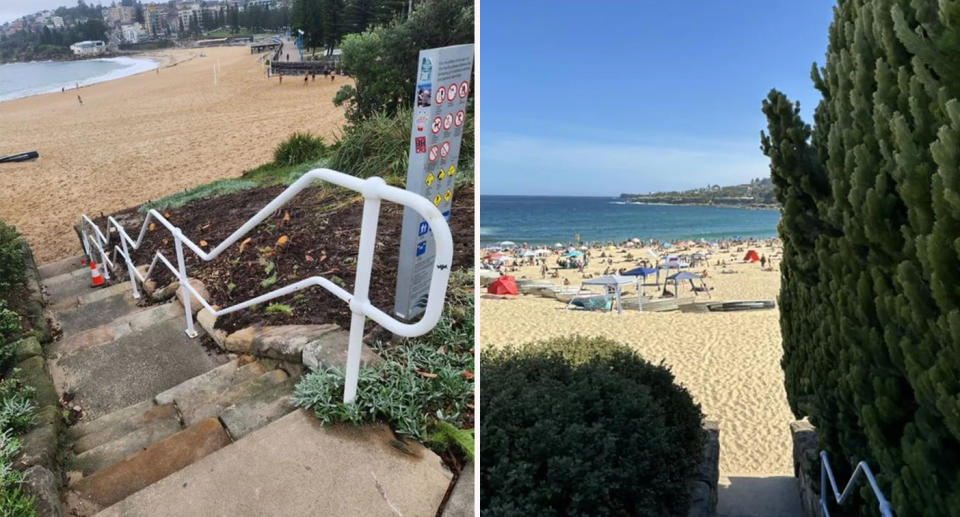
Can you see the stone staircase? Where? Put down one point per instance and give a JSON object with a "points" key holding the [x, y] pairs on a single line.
{"points": [[155, 402]]}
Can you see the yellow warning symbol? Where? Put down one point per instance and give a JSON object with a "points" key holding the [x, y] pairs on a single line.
{"points": [[437, 199], [447, 195], [441, 175], [429, 179], [452, 170]]}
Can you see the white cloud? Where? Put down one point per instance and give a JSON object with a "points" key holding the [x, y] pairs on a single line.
{"points": [[523, 165]]}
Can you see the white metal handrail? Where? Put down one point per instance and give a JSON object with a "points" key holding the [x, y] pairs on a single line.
{"points": [[373, 189], [826, 472]]}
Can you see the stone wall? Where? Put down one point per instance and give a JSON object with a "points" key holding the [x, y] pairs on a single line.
{"points": [[703, 484], [38, 452], [806, 466]]}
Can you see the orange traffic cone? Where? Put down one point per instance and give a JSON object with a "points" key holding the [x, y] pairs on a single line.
{"points": [[96, 279]]}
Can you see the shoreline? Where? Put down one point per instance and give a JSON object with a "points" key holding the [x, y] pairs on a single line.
{"points": [[157, 58]]}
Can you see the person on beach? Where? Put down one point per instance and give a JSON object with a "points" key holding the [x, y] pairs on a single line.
{"points": [[543, 270], [79, 100], [281, 78], [763, 261], [305, 79]]}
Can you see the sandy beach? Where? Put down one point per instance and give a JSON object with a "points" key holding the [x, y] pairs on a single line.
{"points": [[729, 361], [146, 136]]}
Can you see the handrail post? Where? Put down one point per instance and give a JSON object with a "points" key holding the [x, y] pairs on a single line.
{"points": [[361, 286], [130, 269], [182, 274], [823, 486]]}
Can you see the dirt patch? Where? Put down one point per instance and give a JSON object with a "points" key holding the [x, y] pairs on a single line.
{"points": [[317, 233]]}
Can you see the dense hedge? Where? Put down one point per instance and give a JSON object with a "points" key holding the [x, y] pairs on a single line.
{"points": [[584, 426], [11, 259], [870, 296]]}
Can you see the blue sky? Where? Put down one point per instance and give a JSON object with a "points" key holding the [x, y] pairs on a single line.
{"points": [[599, 98]]}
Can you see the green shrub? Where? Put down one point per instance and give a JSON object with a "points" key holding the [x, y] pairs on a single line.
{"points": [[421, 384], [9, 325], [869, 299], [380, 145], [12, 265], [299, 148], [14, 502], [584, 426]]}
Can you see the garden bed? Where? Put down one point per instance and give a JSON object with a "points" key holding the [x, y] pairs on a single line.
{"points": [[317, 233]]}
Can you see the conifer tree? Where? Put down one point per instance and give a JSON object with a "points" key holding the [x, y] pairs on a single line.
{"points": [[870, 291]]}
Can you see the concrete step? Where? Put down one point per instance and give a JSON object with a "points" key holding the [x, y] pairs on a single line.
{"points": [[121, 428], [257, 410], [296, 467], [209, 385], [102, 424], [122, 326], [96, 308], [63, 289], [139, 470], [193, 410], [65, 265], [132, 368], [164, 423]]}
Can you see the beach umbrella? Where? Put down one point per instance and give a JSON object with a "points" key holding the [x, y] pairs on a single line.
{"points": [[584, 248], [494, 256], [529, 253], [508, 244], [574, 254], [558, 245], [635, 240], [542, 252]]}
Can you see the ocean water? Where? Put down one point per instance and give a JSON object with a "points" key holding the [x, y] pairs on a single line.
{"points": [[547, 220], [25, 79]]}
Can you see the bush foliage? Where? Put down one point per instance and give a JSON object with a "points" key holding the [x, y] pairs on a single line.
{"points": [[299, 148], [870, 296], [383, 61], [584, 426], [12, 266], [421, 384]]}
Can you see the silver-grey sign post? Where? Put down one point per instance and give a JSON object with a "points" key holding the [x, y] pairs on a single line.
{"points": [[439, 114]]}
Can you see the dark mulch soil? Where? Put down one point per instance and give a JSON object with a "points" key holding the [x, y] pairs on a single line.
{"points": [[322, 230]]}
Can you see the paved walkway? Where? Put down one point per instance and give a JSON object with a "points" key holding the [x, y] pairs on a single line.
{"points": [[290, 53]]}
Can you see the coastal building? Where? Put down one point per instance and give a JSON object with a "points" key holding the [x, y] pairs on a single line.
{"points": [[154, 19], [88, 48], [131, 33]]}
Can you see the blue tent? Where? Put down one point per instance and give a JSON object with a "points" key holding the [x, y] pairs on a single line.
{"points": [[641, 271]]}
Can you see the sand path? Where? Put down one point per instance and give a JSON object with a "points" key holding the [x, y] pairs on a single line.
{"points": [[146, 136]]}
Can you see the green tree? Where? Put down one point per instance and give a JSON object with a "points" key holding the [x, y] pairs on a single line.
{"points": [[870, 291], [383, 60]]}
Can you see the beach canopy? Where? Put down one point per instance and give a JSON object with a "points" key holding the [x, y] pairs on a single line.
{"points": [[508, 244], [494, 256], [529, 253], [614, 281], [684, 275], [641, 271], [558, 245], [574, 254], [751, 256], [503, 285], [584, 248]]}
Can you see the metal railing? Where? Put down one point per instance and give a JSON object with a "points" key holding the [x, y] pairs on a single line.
{"points": [[373, 189], [826, 472]]}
